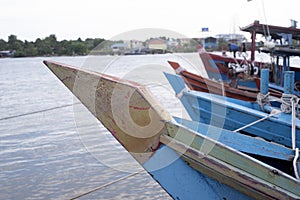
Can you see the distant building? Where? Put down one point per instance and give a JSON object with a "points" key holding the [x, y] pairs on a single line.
{"points": [[185, 41], [133, 44], [172, 43], [7, 53], [118, 48], [157, 44], [231, 38], [210, 42]]}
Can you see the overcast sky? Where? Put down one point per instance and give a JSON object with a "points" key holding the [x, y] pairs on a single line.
{"points": [[71, 19]]}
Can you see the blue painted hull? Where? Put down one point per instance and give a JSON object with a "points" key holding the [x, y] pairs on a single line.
{"points": [[210, 112], [184, 182], [232, 114], [208, 109]]}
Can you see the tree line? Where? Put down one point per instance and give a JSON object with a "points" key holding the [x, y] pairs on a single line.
{"points": [[49, 46]]}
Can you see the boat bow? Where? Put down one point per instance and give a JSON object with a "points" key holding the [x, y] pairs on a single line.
{"points": [[124, 107], [140, 124]]}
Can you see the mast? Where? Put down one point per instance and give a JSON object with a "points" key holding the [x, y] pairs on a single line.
{"points": [[253, 38], [253, 46]]}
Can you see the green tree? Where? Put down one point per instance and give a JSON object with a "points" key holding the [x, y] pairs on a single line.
{"points": [[3, 45], [30, 49], [78, 48], [97, 41], [16, 45], [63, 48], [42, 47], [89, 43], [49, 46], [51, 43]]}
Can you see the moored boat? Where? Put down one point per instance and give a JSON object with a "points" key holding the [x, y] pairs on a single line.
{"points": [[229, 67], [201, 166], [232, 114], [252, 119], [229, 89]]}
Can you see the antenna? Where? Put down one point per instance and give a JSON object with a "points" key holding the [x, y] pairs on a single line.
{"points": [[264, 11], [267, 35]]}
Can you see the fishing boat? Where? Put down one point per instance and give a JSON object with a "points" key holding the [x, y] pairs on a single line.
{"points": [[235, 88], [184, 157], [202, 107], [263, 121], [230, 66]]}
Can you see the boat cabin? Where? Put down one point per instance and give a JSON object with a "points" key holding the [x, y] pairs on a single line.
{"points": [[287, 47]]}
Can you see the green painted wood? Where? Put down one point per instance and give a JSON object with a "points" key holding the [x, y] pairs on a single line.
{"points": [[241, 180], [208, 146], [239, 141]]}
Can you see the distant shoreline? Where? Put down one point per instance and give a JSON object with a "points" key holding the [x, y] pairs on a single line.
{"points": [[48, 46]]}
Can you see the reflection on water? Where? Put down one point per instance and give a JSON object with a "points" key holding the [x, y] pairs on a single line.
{"points": [[64, 151]]}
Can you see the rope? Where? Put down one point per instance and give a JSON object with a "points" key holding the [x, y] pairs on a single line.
{"points": [[107, 184], [286, 103], [180, 94], [263, 99], [39, 111], [289, 103], [295, 163], [294, 102], [180, 69], [275, 112], [294, 122], [223, 89]]}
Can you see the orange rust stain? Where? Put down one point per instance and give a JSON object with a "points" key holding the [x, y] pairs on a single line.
{"points": [[139, 108]]}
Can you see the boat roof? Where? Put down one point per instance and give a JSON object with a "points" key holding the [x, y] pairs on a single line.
{"points": [[282, 51], [274, 30]]}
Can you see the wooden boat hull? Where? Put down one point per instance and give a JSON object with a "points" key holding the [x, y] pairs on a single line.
{"points": [[198, 83], [145, 129], [232, 114], [222, 63]]}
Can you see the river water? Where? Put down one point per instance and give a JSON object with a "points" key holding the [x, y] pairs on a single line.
{"points": [[51, 147]]}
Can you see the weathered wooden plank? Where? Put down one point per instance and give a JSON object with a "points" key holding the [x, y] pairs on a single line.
{"points": [[228, 174], [184, 182], [206, 146], [199, 83], [241, 142], [125, 108], [208, 169]]}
